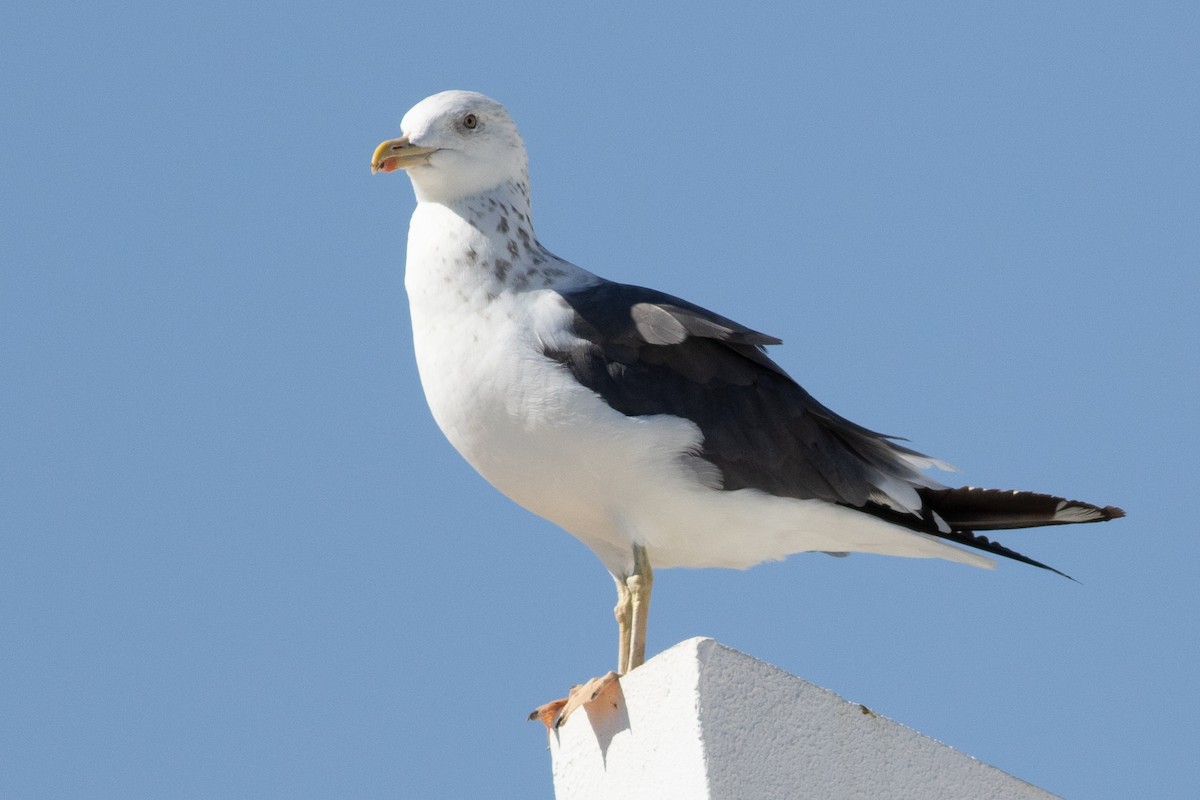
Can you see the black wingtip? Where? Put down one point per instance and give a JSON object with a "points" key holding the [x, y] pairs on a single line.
{"points": [[969, 509], [995, 548], [974, 508]]}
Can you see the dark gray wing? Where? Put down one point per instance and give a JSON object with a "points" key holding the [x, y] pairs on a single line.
{"points": [[645, 352]]}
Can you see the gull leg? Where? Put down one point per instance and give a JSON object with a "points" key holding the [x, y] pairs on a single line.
{"points": [[624, 613], [632, 612], [639, 585]]}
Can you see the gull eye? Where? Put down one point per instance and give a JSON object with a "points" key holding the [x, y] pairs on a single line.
{"points": [[470, 121]]}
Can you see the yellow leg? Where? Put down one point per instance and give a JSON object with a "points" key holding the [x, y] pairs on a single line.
{"points": [[638, 585], [624, 613], [632, 612]]}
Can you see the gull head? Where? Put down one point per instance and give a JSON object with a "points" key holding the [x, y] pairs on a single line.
{"points": [[455, 144]]}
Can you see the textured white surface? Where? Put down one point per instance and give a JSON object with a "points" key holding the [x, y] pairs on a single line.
{"points": [[704, 721]]}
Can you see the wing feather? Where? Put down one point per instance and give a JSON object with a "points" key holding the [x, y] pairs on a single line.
{"points": [[645, 352]]}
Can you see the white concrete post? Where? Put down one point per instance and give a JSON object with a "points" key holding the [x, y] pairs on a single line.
{"points": [[704, 722]]}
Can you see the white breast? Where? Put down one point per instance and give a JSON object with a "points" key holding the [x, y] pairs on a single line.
{"points": [[515, 415]]}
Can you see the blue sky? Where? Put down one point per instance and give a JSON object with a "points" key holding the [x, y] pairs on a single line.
{"points": [[237, 559]]}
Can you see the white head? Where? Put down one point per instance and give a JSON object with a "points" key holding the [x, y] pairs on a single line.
{"points": [[455, 144]]}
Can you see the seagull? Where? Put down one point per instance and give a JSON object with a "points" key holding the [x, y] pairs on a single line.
{"points": [[658, 433]]}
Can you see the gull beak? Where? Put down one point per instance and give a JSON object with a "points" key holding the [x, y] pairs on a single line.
{"points": [[397, 154]]}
